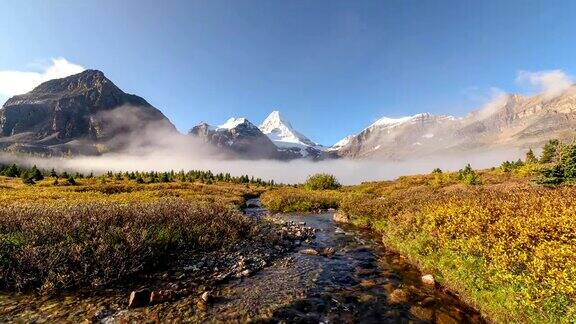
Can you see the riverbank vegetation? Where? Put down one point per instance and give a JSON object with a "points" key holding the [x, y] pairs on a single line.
{"points": [[56, 235], [503, 238]]}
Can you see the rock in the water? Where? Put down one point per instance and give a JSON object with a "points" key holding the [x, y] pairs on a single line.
{"points": [[139, 298], [398, 296], [205, 297], [429, 280], [161, 296], [338, 230], [421, 313], [245, 273], [309, 252], [100, 314], [327, 251], [428, 301]]}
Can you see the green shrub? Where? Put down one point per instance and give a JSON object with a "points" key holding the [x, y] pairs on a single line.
{"points": [[71, 181], [322, 181], [468, 176]]}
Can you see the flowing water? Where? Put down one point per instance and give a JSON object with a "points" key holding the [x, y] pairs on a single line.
{"points": [[342, 275]]}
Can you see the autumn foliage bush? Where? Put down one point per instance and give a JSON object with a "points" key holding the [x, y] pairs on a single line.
{"points": [[94, 244]]}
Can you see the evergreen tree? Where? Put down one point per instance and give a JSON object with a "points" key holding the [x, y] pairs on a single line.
{"points": [[28, 180], [12, 171], [71, 181], [165, 177], [35, 174], [569, 162], [550, 151], [530, 157]]}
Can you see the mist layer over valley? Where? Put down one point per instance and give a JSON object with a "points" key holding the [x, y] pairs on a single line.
{"points": [[296, 171]]}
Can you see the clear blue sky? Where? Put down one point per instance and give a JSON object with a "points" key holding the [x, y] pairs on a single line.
{"points": [[331, 67]]}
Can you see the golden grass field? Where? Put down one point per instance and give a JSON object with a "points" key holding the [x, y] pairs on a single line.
{"points": [[101, 231]]}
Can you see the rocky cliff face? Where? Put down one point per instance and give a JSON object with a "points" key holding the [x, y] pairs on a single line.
{"points": [[513, 122], [61, 113], [238, 137]]}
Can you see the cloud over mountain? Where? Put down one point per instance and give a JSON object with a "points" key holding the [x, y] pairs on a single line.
{"points": [[19, 82], [550, 84]]}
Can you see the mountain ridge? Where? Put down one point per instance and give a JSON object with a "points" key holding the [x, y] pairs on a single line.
{"points": [[84, 112]]}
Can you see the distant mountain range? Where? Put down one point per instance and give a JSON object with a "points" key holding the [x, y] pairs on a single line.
{"points": [[87, 114]]}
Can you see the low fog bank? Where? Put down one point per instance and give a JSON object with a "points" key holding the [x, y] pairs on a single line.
{"points": [[296, 171]]}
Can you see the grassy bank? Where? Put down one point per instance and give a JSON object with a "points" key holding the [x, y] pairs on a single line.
{"points": [[98, 232], [287, 200], [507, 245]]}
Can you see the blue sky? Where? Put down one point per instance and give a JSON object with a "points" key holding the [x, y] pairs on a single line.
{"points": [[331, 67]]}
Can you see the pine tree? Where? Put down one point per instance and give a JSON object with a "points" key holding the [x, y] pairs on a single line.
{"points": [[530, 157], [550, 152], [35, 174], [71, 181]]}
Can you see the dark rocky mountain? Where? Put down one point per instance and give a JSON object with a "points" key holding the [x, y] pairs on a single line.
{"points": [[238, 137], [83, 113]]}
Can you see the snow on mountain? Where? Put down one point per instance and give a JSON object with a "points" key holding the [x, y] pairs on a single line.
{"points": [[234, 122], [282, 134], [341, 143], [393, 122]]}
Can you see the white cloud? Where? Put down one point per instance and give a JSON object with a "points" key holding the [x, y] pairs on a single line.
{"points": [[496, 100], [18, 82], [550, 84]]}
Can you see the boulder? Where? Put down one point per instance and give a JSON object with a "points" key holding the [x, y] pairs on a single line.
{"points": [[309, 252], [205, 297], [139, 298], [398, 296], [162, 296], [340, 217]]}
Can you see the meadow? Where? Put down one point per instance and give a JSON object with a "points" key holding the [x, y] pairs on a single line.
{"points": [[62, 233]]}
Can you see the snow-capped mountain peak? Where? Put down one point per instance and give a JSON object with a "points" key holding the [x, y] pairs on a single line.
{"points": [[232, 123], [281, 132], [341, 143], [391, 122]]}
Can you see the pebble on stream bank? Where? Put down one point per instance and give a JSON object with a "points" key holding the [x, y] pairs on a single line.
{"points": [[429, 280]]}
